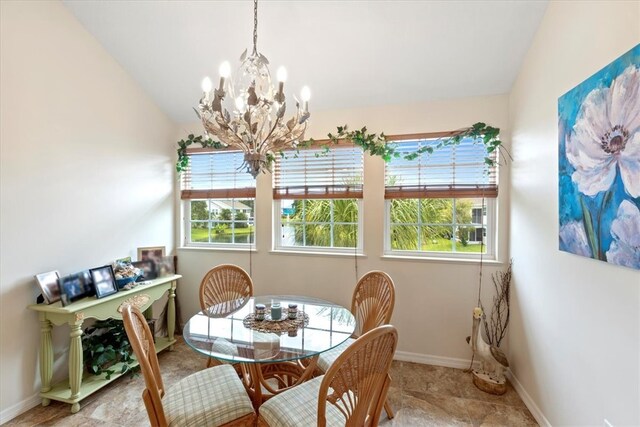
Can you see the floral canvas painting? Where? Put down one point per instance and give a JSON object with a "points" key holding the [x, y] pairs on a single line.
{"points": [[599, 164]]}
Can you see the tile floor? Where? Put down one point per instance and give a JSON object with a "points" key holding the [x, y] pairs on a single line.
{"points": [[421, 395]]}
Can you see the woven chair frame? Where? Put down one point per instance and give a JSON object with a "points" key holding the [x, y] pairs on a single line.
{"points": [[357, 383], [373, 301], [141, 340], [224, 289]]}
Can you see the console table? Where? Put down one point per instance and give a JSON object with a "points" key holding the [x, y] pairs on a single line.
{"points": [[77, 387]]}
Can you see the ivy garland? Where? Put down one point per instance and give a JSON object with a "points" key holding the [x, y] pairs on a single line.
{"points": [[372, 143]]}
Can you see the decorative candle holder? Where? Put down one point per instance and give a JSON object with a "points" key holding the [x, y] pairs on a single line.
{"points": [[260, 311], [276, 311], [293, 311]]}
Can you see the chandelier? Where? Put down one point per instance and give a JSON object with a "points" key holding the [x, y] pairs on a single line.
{"points": [[257, 125]]}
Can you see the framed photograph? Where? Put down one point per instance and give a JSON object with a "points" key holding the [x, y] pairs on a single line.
{"points": [[148, 268], [87, 282], [165, 266], [104, 281], [71, 288], [49, 286], [154, 253]]}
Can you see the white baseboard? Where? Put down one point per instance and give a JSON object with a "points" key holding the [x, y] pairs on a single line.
{"points": [[20, 407], [428, 359], [531, 405], [452, 362]]}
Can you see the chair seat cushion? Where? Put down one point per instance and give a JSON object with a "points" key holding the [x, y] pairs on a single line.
{"points": [[327, 358], [209, 398], [299, 407]]}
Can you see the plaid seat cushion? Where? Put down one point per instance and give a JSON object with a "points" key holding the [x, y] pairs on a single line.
{"points": [[327, 358], [208, 398], [299, 407]]}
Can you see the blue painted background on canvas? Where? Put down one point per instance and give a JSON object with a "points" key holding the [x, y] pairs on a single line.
{"points": [[599, 164]]}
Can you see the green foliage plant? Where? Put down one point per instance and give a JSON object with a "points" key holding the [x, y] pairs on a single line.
{"points": [[103, 345], [373, 143]]}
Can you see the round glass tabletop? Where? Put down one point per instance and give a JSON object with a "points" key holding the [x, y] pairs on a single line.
{"points": [[225, 336]]}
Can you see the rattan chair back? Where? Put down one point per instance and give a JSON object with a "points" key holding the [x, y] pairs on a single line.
{"points": [[373, 301], [141, 340], [357, 383], [224, 289]]}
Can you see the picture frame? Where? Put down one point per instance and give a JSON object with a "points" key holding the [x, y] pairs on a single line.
{"points": [[87, 281], [154, 253], [71, 288], [48, 283], [165, 266], [148, 268], [104, 281]]}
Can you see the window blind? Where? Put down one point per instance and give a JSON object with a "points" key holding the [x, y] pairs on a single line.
{"points": [[216, 175], [314, 174], [452, 171]]}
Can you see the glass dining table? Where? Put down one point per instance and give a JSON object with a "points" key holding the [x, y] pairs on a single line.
{"points": [[271, 355]]}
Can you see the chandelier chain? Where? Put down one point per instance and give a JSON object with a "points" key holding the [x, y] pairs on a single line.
{"points": [[255, 27]]}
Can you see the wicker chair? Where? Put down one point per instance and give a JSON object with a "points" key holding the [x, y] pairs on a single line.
{"points": [[223, 290], [351, 393], [211, 397], [372, 305]]}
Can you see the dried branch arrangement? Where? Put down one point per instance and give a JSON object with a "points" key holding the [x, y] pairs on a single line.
{"points": [[495, 326]]}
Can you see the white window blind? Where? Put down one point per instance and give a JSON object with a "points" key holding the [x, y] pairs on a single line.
{"points": [[313, 174], [215, 175], [453, 171]]}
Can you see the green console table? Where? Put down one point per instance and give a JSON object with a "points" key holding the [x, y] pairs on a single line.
{"points": [[77, 387]]}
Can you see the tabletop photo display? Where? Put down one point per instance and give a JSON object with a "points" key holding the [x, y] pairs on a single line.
{"points": [[101, 281], [104, 281], [48, 283]]}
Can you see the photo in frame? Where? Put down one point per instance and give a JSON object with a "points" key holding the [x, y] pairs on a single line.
{"points": [[104, 281], [71, 288], [154, 253], [148, 268], [166, 267], [87, 282], [48, 283]]}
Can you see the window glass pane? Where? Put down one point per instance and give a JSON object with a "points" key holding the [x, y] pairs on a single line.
{"points": [[443, 225], [222, 221], [404, 237], [437, 238], [199, 210], [404, 211], [436, 211], [317, 235], [199, 231], [319, 223], [345, 235]]}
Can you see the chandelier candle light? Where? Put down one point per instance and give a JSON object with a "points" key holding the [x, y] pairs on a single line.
{"points": [[257, 125]]}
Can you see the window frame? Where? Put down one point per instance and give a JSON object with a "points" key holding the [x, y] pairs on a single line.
{"points": [[490, 240], [277, 234], [224, 193], [491, 205], [186, 227]]}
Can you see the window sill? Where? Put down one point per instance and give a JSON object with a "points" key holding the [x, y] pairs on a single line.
{"points": [[492, 262], [317, 253], [216, 248]]}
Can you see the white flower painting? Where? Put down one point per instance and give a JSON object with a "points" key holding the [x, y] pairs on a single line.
{"points": [[599, 164]]}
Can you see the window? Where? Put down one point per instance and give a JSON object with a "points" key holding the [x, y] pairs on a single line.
{"points": [[218, 200], [317, 197], [441, 204]]}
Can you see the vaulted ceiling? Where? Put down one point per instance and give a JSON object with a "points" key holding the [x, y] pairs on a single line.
{"points": [[351, 53]]}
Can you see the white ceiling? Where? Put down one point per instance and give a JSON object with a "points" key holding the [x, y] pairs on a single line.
{"points": [[351, 53]]}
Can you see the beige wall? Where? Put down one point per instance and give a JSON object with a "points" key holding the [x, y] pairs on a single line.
{"points": [[575, 334], [86, 175], [434, 299]]}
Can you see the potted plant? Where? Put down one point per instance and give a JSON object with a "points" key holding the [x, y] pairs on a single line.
{"points": [[105, 344]]}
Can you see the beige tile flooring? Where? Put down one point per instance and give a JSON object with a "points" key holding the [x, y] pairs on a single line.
{"points": [[421, 395]]}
